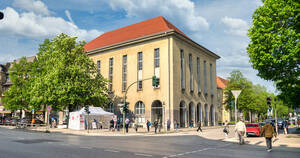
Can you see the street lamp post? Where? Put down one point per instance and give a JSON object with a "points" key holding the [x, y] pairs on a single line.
{"points": [[236, 94]]}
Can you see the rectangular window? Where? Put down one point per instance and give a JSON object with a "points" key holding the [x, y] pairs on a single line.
{"points": [[110, 73], [140, 61], [182, 72], [98, 66], [156, 57], [198, 75], [205, 77], [124, 73], [191, 72], [140, 71], [211, 79]]}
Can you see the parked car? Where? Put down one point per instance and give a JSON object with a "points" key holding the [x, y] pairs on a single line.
{"points": [[7, 121], [252, 129]]}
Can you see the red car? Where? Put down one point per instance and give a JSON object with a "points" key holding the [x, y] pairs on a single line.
{"points": [[252, 129]]}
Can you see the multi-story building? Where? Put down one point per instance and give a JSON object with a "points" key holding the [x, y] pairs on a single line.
{"points": [[223, 113], [186, 72], [5, 82]]}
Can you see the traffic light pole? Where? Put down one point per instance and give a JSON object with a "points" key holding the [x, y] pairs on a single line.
{"points": [[276, 123], [124, 112]]}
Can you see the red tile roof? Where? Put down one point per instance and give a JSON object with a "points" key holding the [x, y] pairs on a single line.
{"points": [[221, 82], [138, 30]]}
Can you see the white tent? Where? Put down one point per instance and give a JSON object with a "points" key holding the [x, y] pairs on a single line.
{"points": [[77, 119]]}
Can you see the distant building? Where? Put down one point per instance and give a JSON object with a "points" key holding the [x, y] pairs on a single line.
{"points": [[5, 82], [186, 72], [223, 113]]}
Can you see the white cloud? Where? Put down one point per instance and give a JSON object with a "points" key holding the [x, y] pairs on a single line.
{"points": [[182, 11], [68, 14], [236, 26], [35, 6], [29, 24]]}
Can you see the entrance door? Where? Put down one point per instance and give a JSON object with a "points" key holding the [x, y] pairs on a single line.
{"points": [[182, 114], [156, 111]]}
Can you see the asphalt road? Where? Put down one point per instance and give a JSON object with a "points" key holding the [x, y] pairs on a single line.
{"points": [[25, 144]]}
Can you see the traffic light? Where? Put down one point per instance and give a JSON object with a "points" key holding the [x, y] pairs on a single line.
{"points": [[269, 101], [125, 107], [87, 110], [155, 81]]}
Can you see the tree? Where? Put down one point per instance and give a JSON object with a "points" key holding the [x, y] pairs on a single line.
{"points": [[66, 77], [16, 97], [274, 48]]}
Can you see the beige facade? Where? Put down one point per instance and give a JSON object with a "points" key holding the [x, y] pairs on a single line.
{"points": [[168, 101]]}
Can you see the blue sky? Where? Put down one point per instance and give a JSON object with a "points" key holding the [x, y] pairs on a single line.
{"points": [[219, 25]]}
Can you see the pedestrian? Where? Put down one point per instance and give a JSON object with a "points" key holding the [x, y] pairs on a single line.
{"points": [[111, 127], [155, 126], [192, 123], [240, 128], [177, 126], [168, 125], [127, 124], [285, 127], [118, 124], [159, 125], [226, 129], [148, 124], [268, 132], [199, 126]]}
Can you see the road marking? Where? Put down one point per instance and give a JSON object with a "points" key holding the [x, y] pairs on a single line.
{"points": [[114, 151], [190, 152], [86, 147], [139, 154]]}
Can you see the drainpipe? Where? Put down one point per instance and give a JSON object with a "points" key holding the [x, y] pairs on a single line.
{"points": [[172, 123]]}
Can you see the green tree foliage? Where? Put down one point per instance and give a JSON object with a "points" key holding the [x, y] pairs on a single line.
{"points": [[16, 97], [66, 77], [252, 98], [274, 48]]}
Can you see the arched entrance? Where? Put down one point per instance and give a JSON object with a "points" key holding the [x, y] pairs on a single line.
{"points": [[156, 111], [199, 112], [139, 110], [206, 115], [212, 115], [182, 114], [191, 112]]}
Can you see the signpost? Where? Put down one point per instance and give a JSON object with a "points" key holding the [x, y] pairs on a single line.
{"points": [[236, 94]]}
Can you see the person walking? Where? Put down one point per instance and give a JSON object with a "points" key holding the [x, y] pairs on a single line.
{"points": [[285, 127], [168, 125], [148, 124], [226, 129], [118, 124], [111, 127], [127, 124], [176, 125], [240, 128], [155, 126], [268, 132], [199, 126], [159, 125]]}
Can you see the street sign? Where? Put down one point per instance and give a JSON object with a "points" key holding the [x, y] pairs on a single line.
{"points": [[49, 108]]}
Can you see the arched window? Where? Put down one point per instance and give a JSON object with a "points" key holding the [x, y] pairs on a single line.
{"points": [[139, 108]]}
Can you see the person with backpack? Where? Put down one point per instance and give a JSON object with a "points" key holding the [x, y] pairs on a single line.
{"points": [[148, 124], [127, 124]]}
